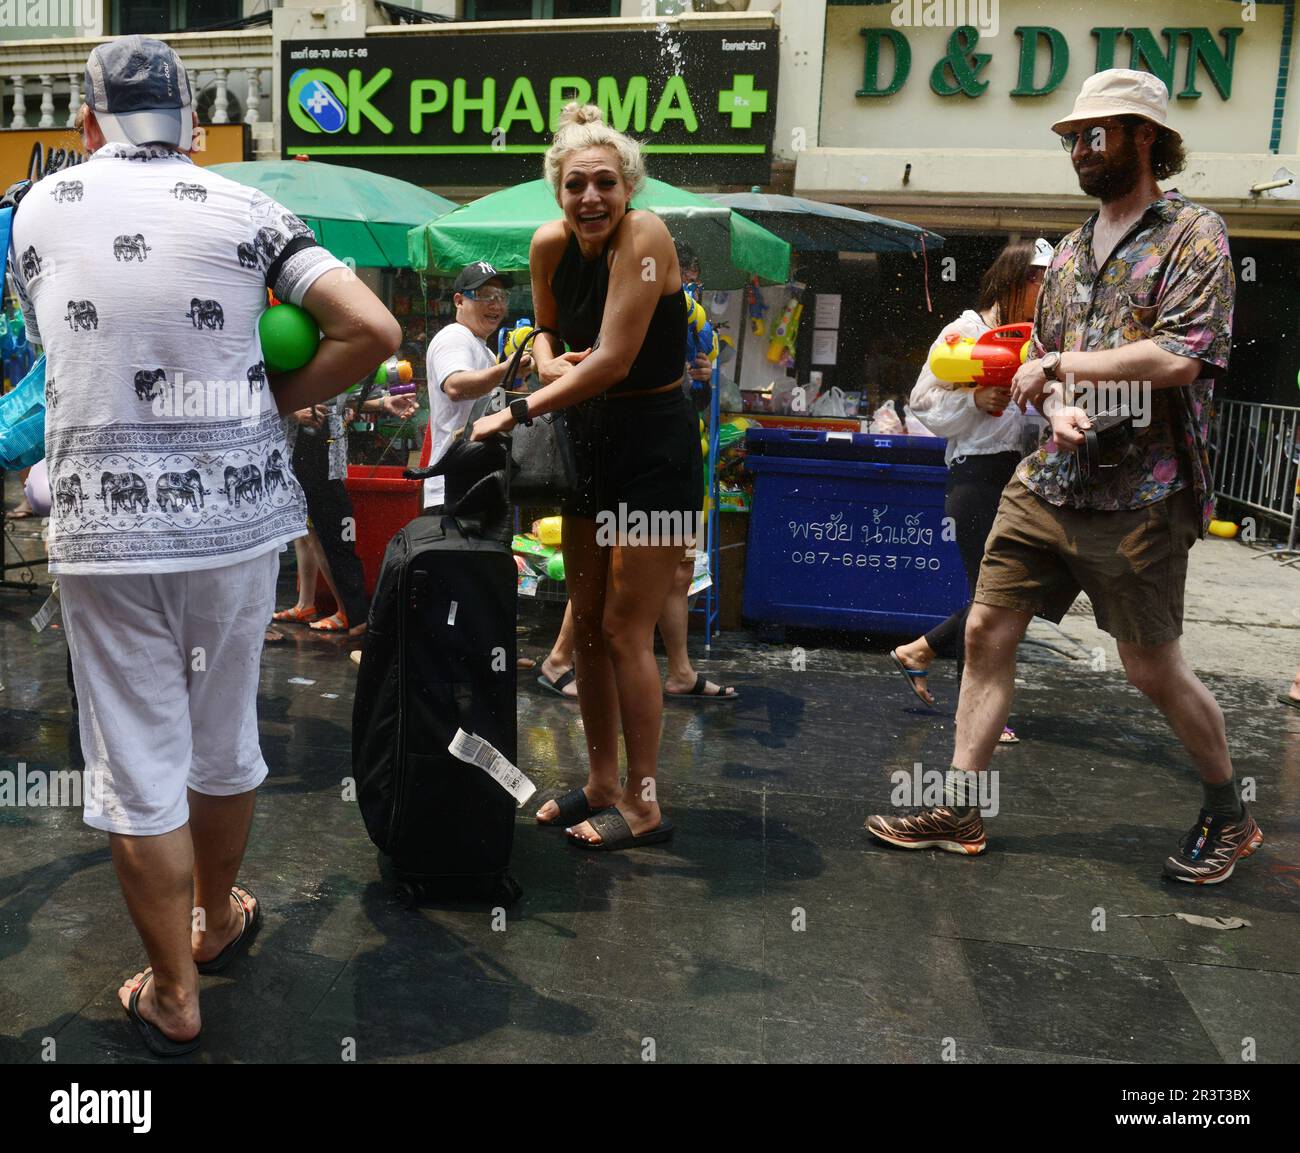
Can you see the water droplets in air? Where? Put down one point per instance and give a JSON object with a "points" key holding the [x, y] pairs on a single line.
{"points": [[670, 49]]}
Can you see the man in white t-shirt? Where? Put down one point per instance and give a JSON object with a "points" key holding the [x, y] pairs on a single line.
{"points": [[461, 367], [144, 277]]}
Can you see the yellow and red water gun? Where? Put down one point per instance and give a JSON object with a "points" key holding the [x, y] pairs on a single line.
{"points": [[989, 362]]}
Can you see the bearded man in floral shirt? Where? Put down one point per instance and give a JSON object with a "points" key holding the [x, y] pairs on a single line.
{"points": [[1135, 310]]}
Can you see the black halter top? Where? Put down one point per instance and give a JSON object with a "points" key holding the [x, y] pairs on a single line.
{"points": [[580, 288]]}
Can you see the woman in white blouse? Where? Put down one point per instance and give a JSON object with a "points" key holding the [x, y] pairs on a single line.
{"points": [[984, 431]]}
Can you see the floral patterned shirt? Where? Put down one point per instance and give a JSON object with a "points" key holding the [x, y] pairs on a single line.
{"points": [[1169, 280]]}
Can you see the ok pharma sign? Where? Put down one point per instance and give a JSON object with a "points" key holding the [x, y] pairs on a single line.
{"points": [[480, 109]]}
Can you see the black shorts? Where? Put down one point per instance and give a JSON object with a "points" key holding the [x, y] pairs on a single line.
{"points": [[637, 454]]}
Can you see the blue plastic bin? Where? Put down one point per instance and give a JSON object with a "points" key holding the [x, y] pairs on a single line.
{"points": [[847, 532]]}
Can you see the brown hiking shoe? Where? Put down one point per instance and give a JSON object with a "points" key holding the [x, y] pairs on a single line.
{"points": [[933, 828], [1209, 851]]}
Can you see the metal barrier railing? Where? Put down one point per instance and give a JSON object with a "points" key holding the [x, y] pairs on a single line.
{"points": [[1255, 456]]}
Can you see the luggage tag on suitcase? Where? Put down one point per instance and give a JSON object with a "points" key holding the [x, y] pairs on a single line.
{"points": [[476, 751]]}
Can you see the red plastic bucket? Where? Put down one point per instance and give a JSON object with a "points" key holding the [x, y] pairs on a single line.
{"points": [[382, 503]]}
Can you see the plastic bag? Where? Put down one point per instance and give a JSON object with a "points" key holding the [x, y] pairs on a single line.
{"points": [[782, 396], [885, 421], [831, 403]]}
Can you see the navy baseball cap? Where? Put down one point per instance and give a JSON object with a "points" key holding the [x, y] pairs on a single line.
{"points": [[478, 274], [140, 93]]}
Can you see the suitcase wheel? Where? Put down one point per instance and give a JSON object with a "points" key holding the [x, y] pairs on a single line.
{"points": [[506, 890]]}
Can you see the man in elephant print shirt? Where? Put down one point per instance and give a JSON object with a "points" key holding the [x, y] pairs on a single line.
{"points": [[167, 454]]}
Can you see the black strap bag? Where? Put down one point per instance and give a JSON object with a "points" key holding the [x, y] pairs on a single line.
{"points": [[543, 469]]}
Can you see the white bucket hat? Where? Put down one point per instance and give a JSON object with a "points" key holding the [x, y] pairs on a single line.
{"points": [[1120, 92]]}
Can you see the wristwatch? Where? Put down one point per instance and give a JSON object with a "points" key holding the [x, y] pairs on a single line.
{"points": [[519, 410], [1051, 363]]}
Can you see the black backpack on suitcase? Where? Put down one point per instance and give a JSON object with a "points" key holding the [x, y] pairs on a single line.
{"points": [[439, 654]]}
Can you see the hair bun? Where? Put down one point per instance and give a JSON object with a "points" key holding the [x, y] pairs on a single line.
{"points": [[575, 113]]}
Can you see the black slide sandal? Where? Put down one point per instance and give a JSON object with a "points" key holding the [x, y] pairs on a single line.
{"points": [[615, 833], [157, 1042], [574, 809], [560, 683]]}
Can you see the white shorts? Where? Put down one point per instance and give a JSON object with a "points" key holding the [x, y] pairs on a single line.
{"points": [[167, 668]]}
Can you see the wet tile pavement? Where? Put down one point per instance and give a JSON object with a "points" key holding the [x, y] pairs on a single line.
{"points": [[772, 929]]}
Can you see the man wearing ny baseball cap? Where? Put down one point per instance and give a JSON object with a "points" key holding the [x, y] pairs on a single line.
{"points": [[461, 367], [144, 275], [1137, 302]]}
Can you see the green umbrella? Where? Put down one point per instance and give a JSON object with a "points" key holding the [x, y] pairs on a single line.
{"points": [[499, 227], [356, 214]]}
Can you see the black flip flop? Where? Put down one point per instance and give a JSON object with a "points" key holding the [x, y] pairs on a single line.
{"points": [[560, 683], [1288, 700], [615, 833], [157, 1042], [574, 809], [728, 692], [911, 675], [252, 922]]}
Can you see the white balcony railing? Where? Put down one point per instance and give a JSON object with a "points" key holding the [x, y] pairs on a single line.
{"points": [[230, 73]]}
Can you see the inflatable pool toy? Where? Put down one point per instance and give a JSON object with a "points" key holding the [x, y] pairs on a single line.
{"points": [[289, 337]]}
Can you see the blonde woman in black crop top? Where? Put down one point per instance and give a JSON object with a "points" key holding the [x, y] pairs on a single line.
{"points": [[606, 277]]}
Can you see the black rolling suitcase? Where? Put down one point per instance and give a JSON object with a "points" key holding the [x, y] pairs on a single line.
{"points": [[438, 656]]}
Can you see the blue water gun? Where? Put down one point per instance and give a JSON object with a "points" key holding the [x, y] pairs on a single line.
{"points": [[700, 336]]}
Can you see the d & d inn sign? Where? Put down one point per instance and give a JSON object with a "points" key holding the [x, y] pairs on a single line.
{"points": [[480, 109], [958, 71]]}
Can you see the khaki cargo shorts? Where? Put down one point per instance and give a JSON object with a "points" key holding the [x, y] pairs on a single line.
{"points": [[1131, 563]]}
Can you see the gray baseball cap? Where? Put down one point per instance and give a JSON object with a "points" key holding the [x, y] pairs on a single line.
{"points": [[140, 93]]}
